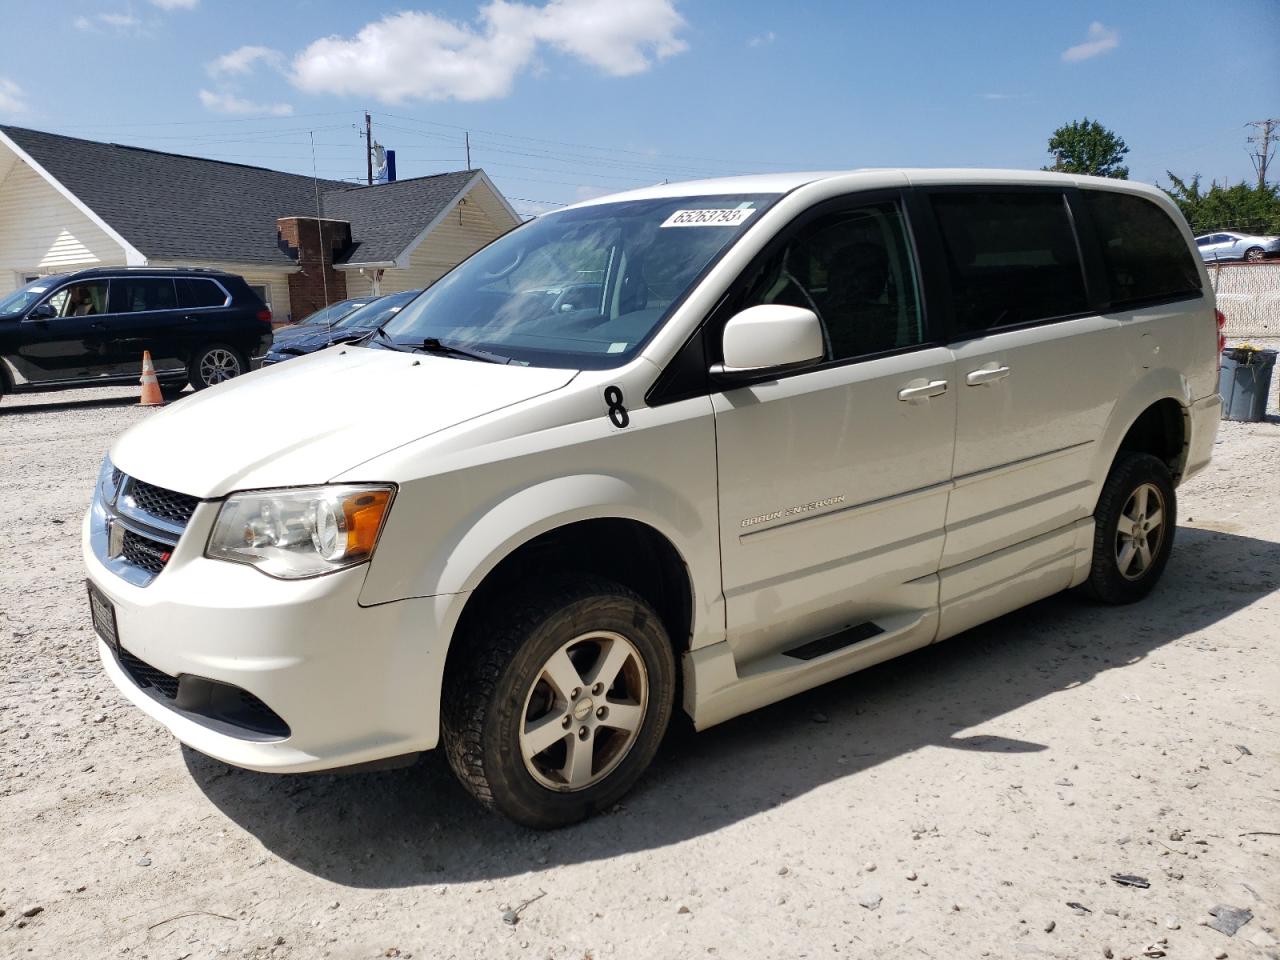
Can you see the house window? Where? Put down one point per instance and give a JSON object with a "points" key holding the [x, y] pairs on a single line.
{"points": [[263, 290]]}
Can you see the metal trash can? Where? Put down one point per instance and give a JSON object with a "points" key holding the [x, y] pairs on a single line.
{"points": [[1245, 382]]}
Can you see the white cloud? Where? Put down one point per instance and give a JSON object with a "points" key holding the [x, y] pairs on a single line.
{"points": [[243, 60], [1101, 39], [230, 103], [762, 40], [414, 55], [119, 22], [176, 4], [1003, 96], [12, 98]]}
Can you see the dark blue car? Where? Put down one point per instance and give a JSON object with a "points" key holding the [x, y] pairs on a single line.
{"points": [[309, 337]]}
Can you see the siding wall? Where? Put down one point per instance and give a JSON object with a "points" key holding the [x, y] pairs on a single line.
{"points": [[43, 232], [456, 237]]}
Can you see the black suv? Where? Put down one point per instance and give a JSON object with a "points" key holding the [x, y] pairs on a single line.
{"points": [[89, 328]]}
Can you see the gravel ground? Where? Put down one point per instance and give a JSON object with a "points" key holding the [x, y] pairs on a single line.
{"points": [[953, 803]]}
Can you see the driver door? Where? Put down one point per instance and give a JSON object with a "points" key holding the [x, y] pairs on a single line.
{"points": [[69, 346], [834, 479]]}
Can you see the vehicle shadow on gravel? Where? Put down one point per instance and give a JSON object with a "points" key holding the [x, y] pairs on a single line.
{"points": [[416, 826], [60, 406]]}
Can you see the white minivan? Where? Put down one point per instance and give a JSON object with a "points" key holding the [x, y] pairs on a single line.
{"points": [[697, 446]]}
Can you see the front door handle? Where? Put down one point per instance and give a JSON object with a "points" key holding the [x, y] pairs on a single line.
{"points": [[923, 391], [977, 378]]}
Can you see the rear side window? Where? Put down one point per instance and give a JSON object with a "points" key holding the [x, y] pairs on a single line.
{"points": [[1143, 252], [134, 294], [1011, 256], [199, 293]]}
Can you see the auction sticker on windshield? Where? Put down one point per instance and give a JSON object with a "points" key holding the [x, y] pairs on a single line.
{"points": [[731, 217]]}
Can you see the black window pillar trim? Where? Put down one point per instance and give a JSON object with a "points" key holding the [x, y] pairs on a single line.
{"points": [[931, 265], [1097, 286]]}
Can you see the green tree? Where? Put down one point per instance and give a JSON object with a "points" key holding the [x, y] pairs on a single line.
{"points": [[1086, 146], [1242, 206]]}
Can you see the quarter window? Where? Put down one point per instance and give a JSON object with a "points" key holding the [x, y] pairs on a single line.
{"points": [[134, 294], [1143, 252], [194, 293], [1011, 256], [854, 270]]}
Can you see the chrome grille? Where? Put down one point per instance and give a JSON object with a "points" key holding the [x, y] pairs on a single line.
{"points": [[150, 555], [137, 525], [165, 504]]}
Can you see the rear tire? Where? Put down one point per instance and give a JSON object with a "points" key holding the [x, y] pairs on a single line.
{"points": [[215, 363], [1134, 525], [560, 703]]}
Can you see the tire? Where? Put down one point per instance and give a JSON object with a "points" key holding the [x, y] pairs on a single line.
{"points": [[1125, 567], [215, 363], [516, 663], [1254, 255]]}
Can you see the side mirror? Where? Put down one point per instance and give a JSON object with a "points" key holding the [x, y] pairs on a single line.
{"points": [[42, 311], [769, 339]]}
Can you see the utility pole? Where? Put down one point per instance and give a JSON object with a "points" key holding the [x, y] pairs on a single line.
{"points": [[368, 145], [467, 140], [1261, 154]]}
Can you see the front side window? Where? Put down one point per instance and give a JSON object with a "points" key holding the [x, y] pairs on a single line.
{"points": [[584, 288], [1011, 258], [854, 270], [1143, 252], [135, 294], [81, 299]]}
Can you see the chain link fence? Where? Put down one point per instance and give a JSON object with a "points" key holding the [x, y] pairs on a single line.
{"points": [[1249, 297]]}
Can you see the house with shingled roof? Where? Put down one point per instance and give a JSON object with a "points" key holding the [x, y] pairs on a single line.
{"points": [[68, 203]]}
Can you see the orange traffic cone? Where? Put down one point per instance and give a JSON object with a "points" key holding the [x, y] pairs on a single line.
{"points": [[151, 395]]}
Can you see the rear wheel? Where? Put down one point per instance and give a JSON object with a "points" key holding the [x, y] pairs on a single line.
{"points": [[561, 702], [1254, 254], [215, 363], [1133, 529]]}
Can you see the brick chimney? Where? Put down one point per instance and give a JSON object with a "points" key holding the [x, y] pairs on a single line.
{"points": [[314, 243]]}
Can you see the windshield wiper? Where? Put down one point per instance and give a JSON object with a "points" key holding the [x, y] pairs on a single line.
{"points": [[389, 340], [433, 345]]}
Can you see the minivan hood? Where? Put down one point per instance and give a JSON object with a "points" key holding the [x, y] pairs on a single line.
{"points": [[313, 418]]}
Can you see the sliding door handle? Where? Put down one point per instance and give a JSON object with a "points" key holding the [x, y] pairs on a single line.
{"points": [[977, 378], [923, 390]]}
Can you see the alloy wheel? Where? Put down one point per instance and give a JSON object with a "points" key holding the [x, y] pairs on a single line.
{"points": [[1140, 531], [218, 365], [584, 711]]}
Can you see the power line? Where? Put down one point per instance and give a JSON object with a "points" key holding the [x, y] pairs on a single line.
{"points": [[584, 146]]}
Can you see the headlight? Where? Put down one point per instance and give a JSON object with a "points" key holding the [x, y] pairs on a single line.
{"points": [[303, 532], [108, 481]]}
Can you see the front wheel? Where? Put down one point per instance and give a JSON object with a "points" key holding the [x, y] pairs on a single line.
{"points": [[215, 363], [1254, 255], [561, 702], [1133, 529]]}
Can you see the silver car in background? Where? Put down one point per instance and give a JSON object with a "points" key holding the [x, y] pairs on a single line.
{"points": [[1237, 246]]}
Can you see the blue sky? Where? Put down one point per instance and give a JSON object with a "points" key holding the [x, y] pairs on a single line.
{"points": [[571, 98]]}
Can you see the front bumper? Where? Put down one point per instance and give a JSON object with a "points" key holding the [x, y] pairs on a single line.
{"points": [[1202, 430], [353, 684]]}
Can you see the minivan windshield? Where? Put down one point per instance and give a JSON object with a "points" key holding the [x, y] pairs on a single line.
{"points": [[24, 298], [583, 289]]}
